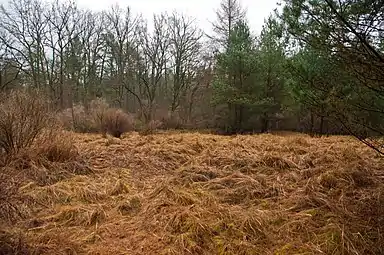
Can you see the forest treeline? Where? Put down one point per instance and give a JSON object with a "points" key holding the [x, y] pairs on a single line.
{"points": [[317, 66]]}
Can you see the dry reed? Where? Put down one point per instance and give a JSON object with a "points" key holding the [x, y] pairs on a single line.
{"points": [[184, 193]]}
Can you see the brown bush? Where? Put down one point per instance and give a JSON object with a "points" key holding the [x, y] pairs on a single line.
{"points": [[171, 122], [85, 120], [52, 158], [150, 127], [116, 122], [97, 111], [78, 119], [81, 120], [168, 119], [23, 117], [65, 119]]}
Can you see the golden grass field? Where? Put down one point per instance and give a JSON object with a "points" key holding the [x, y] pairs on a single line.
{"points": [[191, 193]]}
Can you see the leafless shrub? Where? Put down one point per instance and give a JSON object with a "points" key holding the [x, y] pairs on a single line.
{"points": [[150, 127], [82, 121], [97, 111], [116, 122], [52, 158], [23, 117], [76, 119], [171, 121], [65, 119], [79, 119]]}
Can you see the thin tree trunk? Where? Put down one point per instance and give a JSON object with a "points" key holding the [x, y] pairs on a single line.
{"points": [[321, 125], [264, 123], [312, 123]]}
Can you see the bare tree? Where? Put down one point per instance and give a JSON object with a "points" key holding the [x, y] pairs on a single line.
{"points": [[198, 91], [87, 56], [153, 49], [184, 53], [229, 13], [120, 38], [62, 24], [22, 31], [9, 69]]}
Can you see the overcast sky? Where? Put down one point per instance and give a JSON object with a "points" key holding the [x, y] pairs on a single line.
{"points": [[202, 10]]}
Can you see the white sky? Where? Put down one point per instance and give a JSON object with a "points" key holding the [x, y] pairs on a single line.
{"points": [[202, 10]]}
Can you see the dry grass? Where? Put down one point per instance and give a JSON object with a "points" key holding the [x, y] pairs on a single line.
{"points": [[184, 193]]}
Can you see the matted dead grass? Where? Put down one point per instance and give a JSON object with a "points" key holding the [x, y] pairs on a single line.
{"points": [[190, 193]]}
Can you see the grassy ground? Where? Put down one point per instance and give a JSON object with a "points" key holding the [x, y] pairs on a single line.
{"points": [[189, 193]]}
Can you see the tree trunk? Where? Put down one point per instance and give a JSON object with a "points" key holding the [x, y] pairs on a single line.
{"points": [[321, 125], [264, 123], [311, 126]]}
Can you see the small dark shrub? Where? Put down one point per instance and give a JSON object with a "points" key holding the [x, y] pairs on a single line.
{"points": [[116, 122]]}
